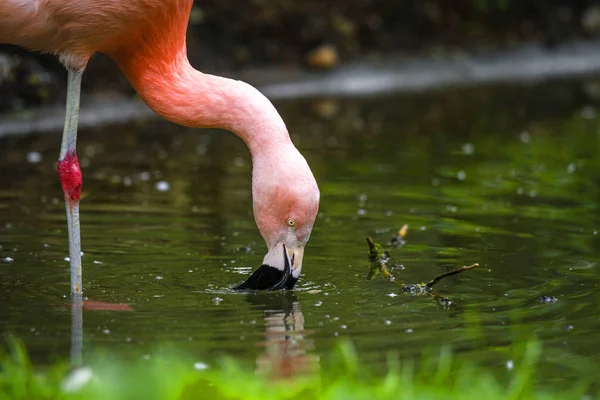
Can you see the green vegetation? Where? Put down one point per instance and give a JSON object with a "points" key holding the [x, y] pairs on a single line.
{"points": [[170, 375], [379, 258]]}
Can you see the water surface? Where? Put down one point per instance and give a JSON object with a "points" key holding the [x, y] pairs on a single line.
{"points": [[505, 176]]}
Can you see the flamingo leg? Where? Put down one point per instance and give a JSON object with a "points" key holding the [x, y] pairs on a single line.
{"points": [[76, 329], [70, 177]]}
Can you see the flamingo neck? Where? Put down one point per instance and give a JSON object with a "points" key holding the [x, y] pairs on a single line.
{"points": [[186, 96]]}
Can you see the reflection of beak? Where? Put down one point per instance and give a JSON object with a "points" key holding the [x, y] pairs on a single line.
{"points": [[280, 268]]}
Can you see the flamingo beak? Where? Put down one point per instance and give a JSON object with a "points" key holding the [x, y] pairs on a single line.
{"points": [[280, 269]]}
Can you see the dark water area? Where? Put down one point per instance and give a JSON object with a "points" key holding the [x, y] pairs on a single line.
{"points": [[508, 177]]}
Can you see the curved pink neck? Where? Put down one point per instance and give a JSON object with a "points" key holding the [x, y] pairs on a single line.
{"points": [[181, 94]]}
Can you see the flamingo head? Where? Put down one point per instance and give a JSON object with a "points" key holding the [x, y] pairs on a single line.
{"points": [[286, 201]]}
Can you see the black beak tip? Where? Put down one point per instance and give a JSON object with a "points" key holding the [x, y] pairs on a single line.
{"points": [[267, 277]]}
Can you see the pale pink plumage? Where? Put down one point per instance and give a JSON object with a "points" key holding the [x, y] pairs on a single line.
{"points": [[146, 38]]}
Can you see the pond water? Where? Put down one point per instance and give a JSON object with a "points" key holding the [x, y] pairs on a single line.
{"points": [[508, 177]]}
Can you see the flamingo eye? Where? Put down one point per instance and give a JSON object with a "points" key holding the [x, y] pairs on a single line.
{"points": [[291, 222]]}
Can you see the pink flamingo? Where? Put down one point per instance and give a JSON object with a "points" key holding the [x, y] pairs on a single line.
{"points": [[146, 38]]}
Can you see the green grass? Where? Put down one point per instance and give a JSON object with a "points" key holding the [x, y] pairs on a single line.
{"points": [[168, 375]]}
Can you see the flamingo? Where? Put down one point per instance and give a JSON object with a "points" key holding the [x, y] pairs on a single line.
{"points": [[146, 39]]}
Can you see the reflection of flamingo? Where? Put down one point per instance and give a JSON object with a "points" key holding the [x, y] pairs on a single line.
{"points": [[286, 347], [146, 38]]}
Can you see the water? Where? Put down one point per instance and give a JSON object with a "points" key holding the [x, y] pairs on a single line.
{"points": [[508, 177]]}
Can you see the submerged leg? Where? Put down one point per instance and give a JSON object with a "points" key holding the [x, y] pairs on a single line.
{"points": [[70, 177], [76, 329]]}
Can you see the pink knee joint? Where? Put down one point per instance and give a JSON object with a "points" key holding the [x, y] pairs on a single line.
{"points": [[70, 177]]}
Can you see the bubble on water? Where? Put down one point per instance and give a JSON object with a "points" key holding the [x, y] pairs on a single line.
{"points": [[77, 379], [392, 294], [588, 112], [318, 304], [461, 175], [89, 150], [34, 157], [217, 300], [200, 366], [468, 148], [67, 259], [239, 162], [106, 331], [571, 168], [158, 277], [361, 211], [97, 262], [388, 322], [144, 176], [409, 330], [510, 365], [201, 149], [7, 260], [548, 299], [163, 186]]}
